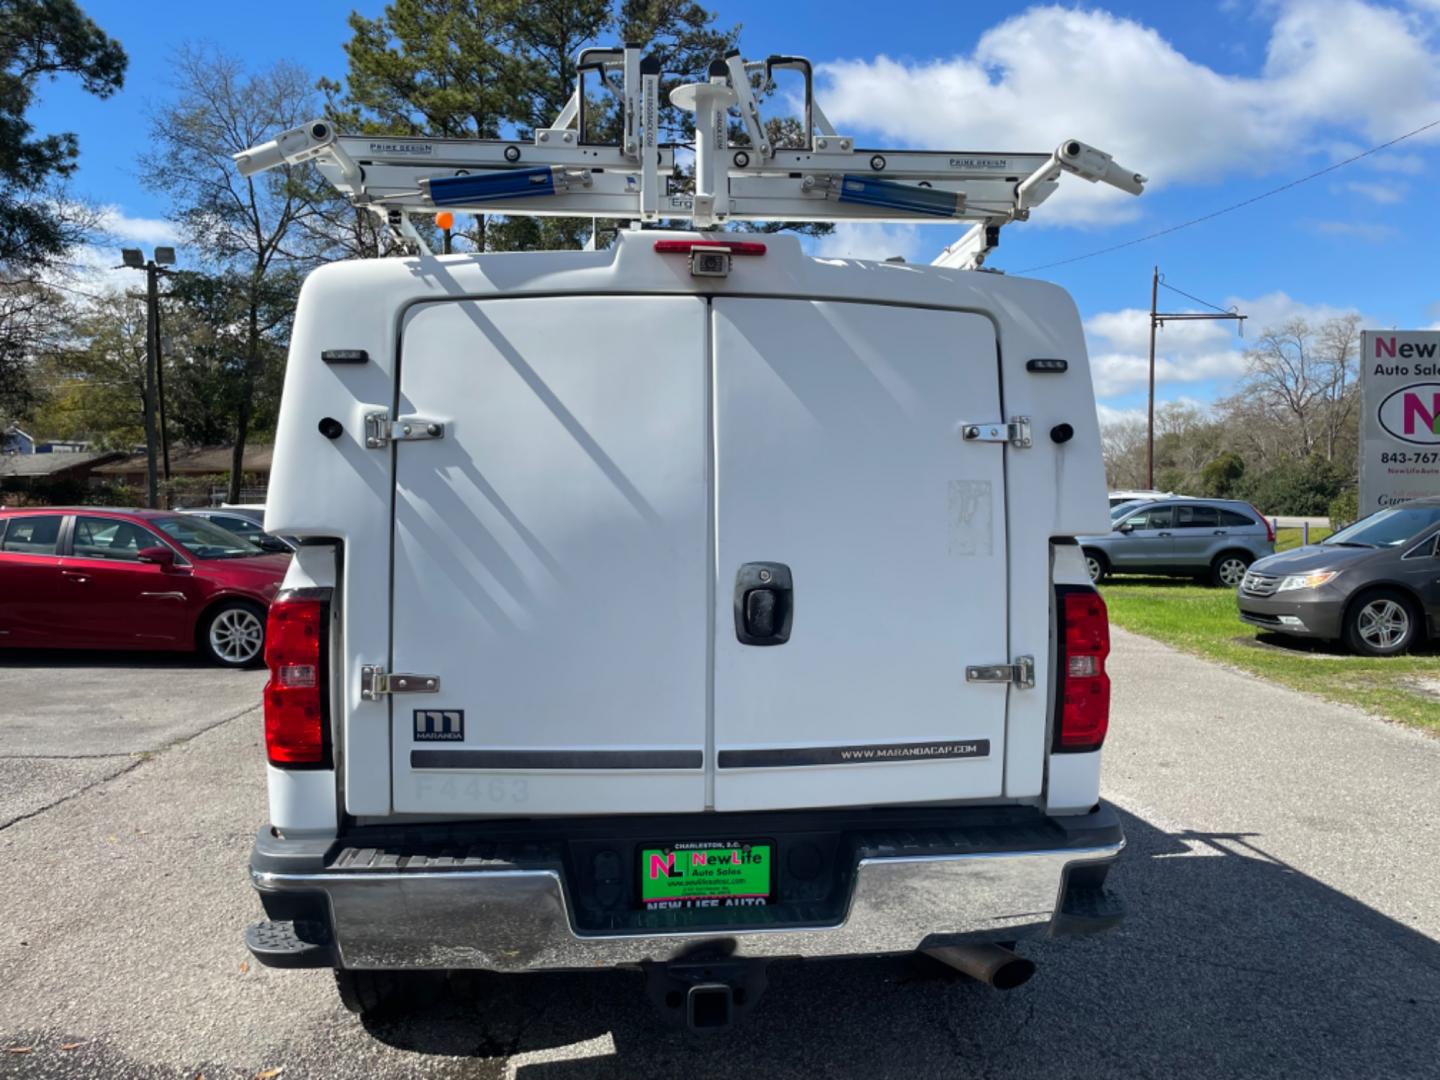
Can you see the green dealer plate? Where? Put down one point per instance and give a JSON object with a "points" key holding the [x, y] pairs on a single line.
{"points": [[705, 874]]}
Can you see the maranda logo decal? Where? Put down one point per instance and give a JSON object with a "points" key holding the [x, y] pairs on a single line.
{"points": [[1412, 414]]}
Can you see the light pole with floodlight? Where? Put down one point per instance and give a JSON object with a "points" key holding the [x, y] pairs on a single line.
{"points": [[135, 259]]}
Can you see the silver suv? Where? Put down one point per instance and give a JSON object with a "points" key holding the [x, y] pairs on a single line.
{"points": [[1212, 539]]}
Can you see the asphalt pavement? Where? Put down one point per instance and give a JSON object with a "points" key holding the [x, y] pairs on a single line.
{"points": [[1281, 874]]}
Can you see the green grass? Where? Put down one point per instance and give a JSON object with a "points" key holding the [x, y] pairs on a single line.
{"points": [[1203, 621], [1285, 539]]}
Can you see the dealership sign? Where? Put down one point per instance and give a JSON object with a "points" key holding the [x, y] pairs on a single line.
{"points": [[1400, 432]]}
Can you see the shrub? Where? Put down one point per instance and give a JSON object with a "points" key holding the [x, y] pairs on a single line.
{"points": [[1298, 486], [1344, 509]]}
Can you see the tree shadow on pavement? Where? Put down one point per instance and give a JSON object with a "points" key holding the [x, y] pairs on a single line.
{"points": [[1230, 963], [100, 658]]}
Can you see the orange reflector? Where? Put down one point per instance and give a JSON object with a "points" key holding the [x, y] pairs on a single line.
{"points": [[445, 220]]}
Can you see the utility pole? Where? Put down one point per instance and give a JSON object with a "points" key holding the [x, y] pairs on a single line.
{"points": [[1150, 421], [135, 259], [160, 393], [1159, 319]]}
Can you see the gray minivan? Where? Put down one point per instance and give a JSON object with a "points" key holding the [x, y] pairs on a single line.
{"points": [[1215, 540], [1374, 585]]}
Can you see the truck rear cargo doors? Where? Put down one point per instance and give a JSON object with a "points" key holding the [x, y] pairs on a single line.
{"points": [[840, 457], [673, 554]]}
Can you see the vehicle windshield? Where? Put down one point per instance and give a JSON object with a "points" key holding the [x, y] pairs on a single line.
{"points": [[206, 541], [1390, 527], [1119, 511]]}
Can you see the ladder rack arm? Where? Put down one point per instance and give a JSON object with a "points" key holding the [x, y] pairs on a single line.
{"points": [[1086, 162]]}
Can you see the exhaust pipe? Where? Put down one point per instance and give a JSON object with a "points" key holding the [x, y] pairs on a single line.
{"points": [[993, 965]]}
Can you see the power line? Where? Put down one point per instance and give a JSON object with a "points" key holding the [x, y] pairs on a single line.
{"points": [[1188, 296], [1235, 206]]}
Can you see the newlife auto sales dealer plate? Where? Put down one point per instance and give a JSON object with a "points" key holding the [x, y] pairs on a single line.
{"points": [[705, 874]]}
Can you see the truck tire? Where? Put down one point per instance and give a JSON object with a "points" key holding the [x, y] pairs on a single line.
{"points": [[232, 634], [1098, 565], [375, 994], [1228, 569], [1384, 622]]}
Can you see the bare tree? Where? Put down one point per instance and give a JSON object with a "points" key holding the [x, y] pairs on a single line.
{"points": [[1339, 357], [1287, 380], [253, 226], [1299, 394], [1123, 441]]}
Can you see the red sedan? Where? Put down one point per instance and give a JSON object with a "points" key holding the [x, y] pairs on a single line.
{"points": [[86, 578]]}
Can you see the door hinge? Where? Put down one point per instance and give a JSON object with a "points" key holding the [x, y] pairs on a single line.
{"points": [[1016, 432], [1021, 673], [381, 431], [375, 682]]}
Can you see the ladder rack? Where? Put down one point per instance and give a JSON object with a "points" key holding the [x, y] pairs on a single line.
{"points": [[557, 173]]}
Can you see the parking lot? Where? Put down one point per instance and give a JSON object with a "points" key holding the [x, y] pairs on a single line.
{"points": [[1281, 874]]}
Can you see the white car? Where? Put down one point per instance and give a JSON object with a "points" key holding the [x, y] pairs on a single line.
{"points": [[1138, 495]]}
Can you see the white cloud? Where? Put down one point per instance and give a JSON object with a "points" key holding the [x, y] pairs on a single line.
{"points": [[1109, 415], [1404, 164], [118, 225], [1276, 308], [1186, 353], [1381, 191], [1115, 374], [866, 240], [1128, 330], [1331, 66], [95, 268], [1369, 232]]}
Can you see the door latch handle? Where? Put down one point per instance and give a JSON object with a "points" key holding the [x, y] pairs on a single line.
{"points": [[764, 603]]}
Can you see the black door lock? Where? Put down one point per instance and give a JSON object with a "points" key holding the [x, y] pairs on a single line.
{"points": [[764, 603]]}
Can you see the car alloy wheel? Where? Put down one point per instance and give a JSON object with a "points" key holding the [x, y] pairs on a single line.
{"points": [[1096, 568], [1231, 571], [1383, 624], [236, 635]]}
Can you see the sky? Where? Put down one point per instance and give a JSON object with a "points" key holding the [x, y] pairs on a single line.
{"points": [[1214, 102]]}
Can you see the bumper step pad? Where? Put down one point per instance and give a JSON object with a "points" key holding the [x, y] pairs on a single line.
{"points": [[1088, 910], [288, 944]]}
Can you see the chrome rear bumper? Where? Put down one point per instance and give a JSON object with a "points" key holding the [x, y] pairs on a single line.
{"points": [[513, 919]]}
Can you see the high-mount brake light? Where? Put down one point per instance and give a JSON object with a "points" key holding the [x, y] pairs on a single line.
{"points": [[1083, 716], [294, 696], [685, 247], [709, 258]]}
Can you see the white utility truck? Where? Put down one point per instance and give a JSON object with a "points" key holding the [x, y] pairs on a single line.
{"points": [[691, 602]]}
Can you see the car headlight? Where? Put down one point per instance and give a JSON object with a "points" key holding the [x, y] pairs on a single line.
{"points": [[1312, 580]]}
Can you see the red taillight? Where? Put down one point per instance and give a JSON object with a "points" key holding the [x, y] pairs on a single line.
{"points": [[1084, 686], [294, 705], [685, 247], [1269, 528]]}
